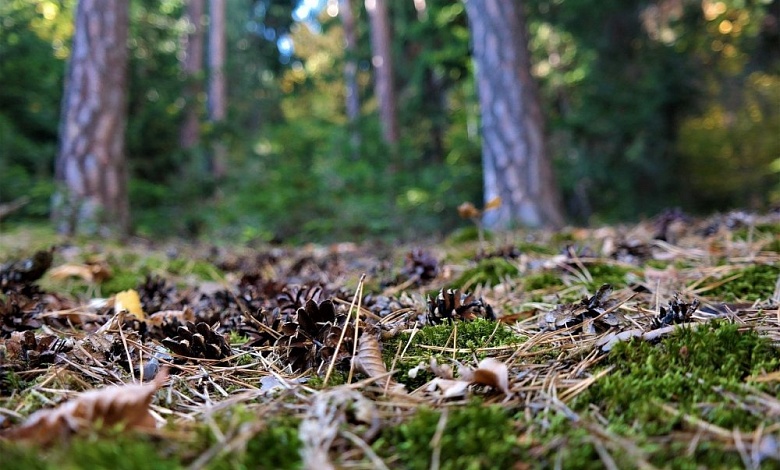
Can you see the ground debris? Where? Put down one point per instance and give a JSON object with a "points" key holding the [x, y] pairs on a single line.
{"points": [[453, 305], [593, 313]]}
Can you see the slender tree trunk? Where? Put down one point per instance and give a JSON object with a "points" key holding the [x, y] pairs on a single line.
{"points": [[193, 69], [91, 165], [350, 73], [217, 84], [383, 67], [515, 162]]}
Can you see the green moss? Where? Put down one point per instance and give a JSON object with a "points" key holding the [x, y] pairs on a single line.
{"points": [[276, 447], [542, 280], [121, 280], [526, 247], [755, 283], [773, 245], [337, 377], [471, 336], [199, 268], [487, 272], [607, 274], [118, 451], [475, 436], [683, 370], [760, 230], [467, 234]]}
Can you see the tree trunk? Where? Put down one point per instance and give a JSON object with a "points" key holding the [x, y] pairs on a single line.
{"points": [[91, 166], [383, 66], [515, 163], [217, 84], [193, 69], [350, 74]]}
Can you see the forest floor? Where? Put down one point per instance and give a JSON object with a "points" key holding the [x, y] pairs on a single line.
{"points": [[647, 346]]}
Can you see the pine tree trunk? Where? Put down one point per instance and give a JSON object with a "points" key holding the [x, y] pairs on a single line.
{"points": [[352, 96], [193, 69], [217, 84], [515, 162], [91, 167], [383, 68]]}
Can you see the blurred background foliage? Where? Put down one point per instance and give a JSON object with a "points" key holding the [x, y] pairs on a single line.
{"points": [[649, 104]]}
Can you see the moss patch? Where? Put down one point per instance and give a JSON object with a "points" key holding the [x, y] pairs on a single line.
{"points": [[688, 370], [542, 280], [488, 272], [471, 336], [755, 283], [475, 436], [119, 451], [608, 274]]}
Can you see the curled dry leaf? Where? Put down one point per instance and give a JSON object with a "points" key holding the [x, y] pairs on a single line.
{"points": [[448, 388], [90, 272], [128, 404], [369, 361], [490, 372]]}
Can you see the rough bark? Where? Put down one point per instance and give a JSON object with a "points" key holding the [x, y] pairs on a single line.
{"points": [[91, 167], [217, 84], [383, 68], [352, 96], [515, 162], [193, 69]]}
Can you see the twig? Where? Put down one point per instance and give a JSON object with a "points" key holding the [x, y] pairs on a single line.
{"points": [[436, 440]]}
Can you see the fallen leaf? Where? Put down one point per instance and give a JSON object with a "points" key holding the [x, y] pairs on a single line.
{"points": [[129, 301], [128, 404], [490, 372], [90, 272], [448, 388], [165, 317], [368, 360], [494, 203]]}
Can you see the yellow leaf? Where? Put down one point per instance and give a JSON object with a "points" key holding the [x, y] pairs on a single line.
{"points": [[494, 203], [130, 301]]}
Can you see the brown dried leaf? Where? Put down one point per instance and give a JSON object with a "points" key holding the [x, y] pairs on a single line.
{"points": [[128, 404], [90, 272], [368, 360], [490, 372], [164, 317], [448, 388]]}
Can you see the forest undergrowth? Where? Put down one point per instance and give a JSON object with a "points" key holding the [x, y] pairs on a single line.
{"points": [[646, 346]]}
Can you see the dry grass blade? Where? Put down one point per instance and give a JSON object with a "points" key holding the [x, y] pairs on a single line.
{"points": [[128, 404], [355, 301]]}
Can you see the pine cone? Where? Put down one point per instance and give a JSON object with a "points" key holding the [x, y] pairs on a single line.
{"points": [[452, 305], [420, 266], [678, 312], [588, 309], [18, 313], [295, 297], [313, 336], [263, 329], [15, 275], [198, 341], [157, 295]]}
